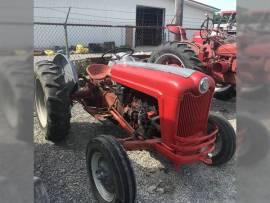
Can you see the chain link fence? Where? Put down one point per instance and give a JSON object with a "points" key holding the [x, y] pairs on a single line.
{"points": [[87, 40], [84, 33]]}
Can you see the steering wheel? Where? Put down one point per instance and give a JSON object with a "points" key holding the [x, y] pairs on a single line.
{"points": [[207, 28], [114, 52]]}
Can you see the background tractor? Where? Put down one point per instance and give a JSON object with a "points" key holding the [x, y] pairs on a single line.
{"points": [[211, 51], [226, 20], [135, 96]]}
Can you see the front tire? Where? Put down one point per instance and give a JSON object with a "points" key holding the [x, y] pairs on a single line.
{"points": [[225, 144], [110, 172], [225, 93]]}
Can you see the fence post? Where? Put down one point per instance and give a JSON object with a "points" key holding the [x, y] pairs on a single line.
{"points": [[66, 33]]}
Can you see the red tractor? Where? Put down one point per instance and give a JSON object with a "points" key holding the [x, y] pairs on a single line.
{"points": [[160, 108], [211, 51]]}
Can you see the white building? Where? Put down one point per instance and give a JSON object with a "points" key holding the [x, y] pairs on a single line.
{"points": [[112, 12]]}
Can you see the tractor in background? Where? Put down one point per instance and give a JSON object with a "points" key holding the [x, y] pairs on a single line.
{"points": [[226, 20], [211, 51]]}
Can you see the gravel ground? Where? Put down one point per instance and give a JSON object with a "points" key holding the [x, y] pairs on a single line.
{"points": [[63, 170]]}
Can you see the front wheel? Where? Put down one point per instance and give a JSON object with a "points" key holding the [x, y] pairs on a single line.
{"points": [[110, 172], [225, 144]]}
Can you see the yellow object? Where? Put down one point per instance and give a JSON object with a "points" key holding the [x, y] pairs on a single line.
{"points": [[81, 50], [49, 52]]}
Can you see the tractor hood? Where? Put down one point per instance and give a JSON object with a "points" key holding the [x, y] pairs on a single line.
{"points": [[158, 80], [227, 49]]}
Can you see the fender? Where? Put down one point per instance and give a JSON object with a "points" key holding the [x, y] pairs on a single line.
{"points": [[71, 76]]}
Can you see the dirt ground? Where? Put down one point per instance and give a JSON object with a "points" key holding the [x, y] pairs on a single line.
{"points": [[63, 170]]}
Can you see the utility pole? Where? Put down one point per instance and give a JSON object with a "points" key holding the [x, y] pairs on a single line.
{"points": [[179, 9], [66, 33]]}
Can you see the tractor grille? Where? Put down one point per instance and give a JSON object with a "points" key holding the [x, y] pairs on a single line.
{"points": [[193, 113]]}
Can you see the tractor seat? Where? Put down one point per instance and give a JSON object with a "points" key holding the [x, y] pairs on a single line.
{"points": [[98, 71], [178, 30]]}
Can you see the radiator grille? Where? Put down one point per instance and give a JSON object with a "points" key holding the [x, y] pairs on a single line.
{"points": [[193, 113]]}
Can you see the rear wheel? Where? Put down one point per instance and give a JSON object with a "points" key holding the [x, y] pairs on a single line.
{"points": [[52, 100], [225, 144], [110, 172], [178, 54]]}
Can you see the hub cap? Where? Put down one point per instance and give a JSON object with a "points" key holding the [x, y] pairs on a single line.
{"points": [[102, 176]]}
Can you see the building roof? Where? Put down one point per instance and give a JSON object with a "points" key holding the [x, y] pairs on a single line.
{"points": [[214, 9]]}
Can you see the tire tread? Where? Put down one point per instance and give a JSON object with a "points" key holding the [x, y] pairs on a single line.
{"points": [[57, 99]]}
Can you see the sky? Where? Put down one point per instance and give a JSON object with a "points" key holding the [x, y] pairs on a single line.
{"points": [[221, 4]]}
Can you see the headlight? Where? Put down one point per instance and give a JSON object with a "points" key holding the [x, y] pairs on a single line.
{"points": [[204, 85]]}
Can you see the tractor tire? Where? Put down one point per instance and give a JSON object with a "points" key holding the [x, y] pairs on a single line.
{"points": [[225, 142], [225, 94], [52, 100], [176, 53], [110, 172]]}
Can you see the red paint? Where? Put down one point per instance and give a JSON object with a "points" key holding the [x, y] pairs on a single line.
{"points": [[218, 57], [227, 12], [227, 50], [186, 136], [183, 111], [196, 38], [98, 71], [177, 30]]}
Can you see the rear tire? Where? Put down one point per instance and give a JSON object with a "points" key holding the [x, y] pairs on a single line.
{"points": [[52, 100], [110, 172], [225, 142], [175, 51]]}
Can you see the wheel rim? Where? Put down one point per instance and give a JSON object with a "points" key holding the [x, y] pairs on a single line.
{"points": [[170, 59], [41, 104], [101, 173], [218, 146]]}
